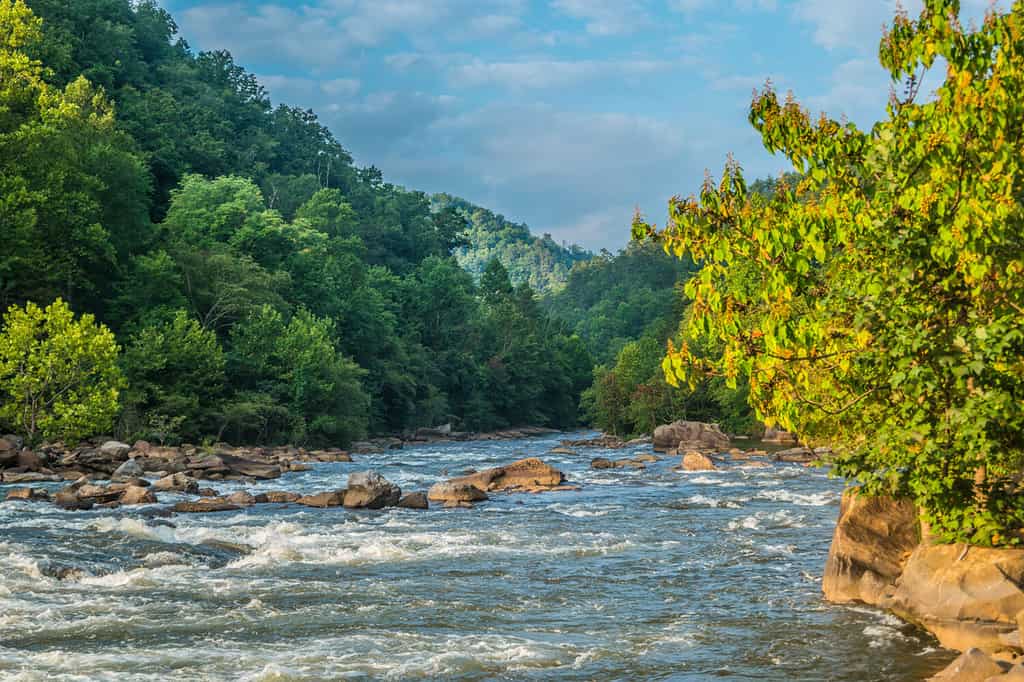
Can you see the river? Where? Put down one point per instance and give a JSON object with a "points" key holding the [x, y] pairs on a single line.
{"points": [[641, 574]]}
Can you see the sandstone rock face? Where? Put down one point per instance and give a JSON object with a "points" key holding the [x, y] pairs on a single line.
{"points": [[370, 490], [684, 435], [417, 500], [967, 597], [695, 461], [456, 492], [872, 540], [974, 665]]}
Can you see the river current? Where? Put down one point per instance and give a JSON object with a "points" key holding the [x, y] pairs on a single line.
{"points": [[641, 574]]}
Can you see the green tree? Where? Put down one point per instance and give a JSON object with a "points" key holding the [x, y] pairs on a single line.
{"points": [[294, 365], [884, 311], [58, 375], [175, 373]]}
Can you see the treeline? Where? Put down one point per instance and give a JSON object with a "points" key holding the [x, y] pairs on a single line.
{"points": [[626, 307], [261, 286], [538, 261]]}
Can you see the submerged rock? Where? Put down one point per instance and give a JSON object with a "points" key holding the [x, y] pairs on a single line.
{"points": [[334, 498], [279, 497], [26, 494], [214, 504]]}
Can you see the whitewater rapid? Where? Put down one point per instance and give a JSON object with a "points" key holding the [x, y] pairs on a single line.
{"points": [[641, 574]]}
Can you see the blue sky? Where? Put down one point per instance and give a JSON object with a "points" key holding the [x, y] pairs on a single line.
{"points": [[564, 114]]}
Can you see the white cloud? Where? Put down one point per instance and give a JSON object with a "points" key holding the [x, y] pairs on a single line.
{"points": [[548, 73], [606, 17], [858, 24]]}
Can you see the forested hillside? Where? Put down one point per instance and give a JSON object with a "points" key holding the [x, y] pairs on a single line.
{"points": [[538, 261], [260, 286]]}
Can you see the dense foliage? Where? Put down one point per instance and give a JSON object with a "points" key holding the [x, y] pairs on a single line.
{"points": [[878, 304], [611, 300], [264, 288], [538, 261], [58, 375]]}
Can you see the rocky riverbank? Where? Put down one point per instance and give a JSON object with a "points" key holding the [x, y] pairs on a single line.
{"points": [[970, 598]]}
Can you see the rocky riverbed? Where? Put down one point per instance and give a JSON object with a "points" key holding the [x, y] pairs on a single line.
{"points": [[624, 572]]}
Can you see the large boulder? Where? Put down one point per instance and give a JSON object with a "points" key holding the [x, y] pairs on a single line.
{"points": [[529, 474], [417, 500], [134, 494], [370, 490], [873, 538], [695, 461], [687, 435], [776, 435], [179, 483], [115, 450], [966, 597], [130, 469], [248, 467], [456, 492]]}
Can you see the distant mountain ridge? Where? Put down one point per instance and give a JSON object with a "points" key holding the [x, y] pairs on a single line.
{"points": [[541, 262]]}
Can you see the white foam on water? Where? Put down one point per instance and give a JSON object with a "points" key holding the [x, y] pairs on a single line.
{"points": [[819, 499], [883, 635], [581, 511], [765, 520]]}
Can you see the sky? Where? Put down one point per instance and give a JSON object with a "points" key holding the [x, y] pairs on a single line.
{"points": [[563, 114]]}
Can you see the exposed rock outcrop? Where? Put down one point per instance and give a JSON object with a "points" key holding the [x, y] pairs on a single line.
{"points": [[966, 596], [974, 665], [370, 490], [688, 435], [417, 500], [451, 491], [873, 538], [695, 461]]}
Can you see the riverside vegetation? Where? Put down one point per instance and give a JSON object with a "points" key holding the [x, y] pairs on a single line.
{"points": [[225, 273]]}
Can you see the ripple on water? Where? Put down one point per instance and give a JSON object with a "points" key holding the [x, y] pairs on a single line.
{"points": [[640, 574]]}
